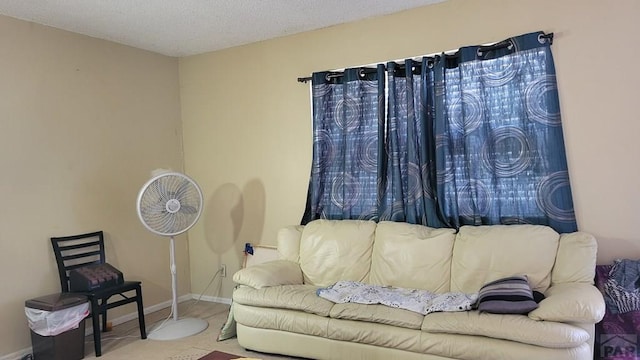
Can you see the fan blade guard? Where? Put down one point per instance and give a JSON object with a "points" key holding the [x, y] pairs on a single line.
{"points": [[169, 204]]}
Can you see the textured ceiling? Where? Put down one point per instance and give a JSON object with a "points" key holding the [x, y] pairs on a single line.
{"points": [[188, 27]]}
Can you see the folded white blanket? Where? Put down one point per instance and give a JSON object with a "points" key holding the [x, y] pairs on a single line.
{"points": [[420, 301]]}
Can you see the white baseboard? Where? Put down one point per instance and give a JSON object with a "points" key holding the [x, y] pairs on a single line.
{"points": [[214, 299], [147, 310], [16, 355], [134, 315]]}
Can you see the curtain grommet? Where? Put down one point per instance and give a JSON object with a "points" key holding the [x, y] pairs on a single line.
{"points": [[541, 39], [479, 52]]}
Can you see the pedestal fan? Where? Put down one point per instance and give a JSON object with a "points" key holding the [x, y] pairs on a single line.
{"points": [[169, 204]]}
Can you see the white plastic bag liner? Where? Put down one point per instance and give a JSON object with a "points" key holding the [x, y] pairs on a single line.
{"points": [[51, 323]]}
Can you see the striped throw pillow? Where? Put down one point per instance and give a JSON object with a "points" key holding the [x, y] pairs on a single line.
{"points": [[511, 295]]}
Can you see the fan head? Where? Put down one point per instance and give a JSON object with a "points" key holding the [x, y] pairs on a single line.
{"points": [[169, 204]]}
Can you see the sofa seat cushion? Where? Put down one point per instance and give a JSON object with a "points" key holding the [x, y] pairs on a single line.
{"points": [[518, 328], [381, 314], [281, 319], [292, 297], [412, 256], [375, 334], [436, 345], [453, 346], [471, 347]]}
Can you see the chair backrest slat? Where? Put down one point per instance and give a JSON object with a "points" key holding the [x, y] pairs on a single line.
{"points": [[75, 251], [78, 246], [80, 256]]}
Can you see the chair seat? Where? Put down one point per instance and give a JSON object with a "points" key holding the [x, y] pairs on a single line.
{"points": [[125, 286]]}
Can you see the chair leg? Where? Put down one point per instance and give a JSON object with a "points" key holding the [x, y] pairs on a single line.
{"points": [[104, 316], [143, 330], [95, 317]]}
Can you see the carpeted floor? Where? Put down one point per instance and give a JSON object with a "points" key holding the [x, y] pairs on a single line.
{"points": [[219, 355], [124, 343]]}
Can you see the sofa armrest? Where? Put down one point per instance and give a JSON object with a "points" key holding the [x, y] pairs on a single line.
{"points": [[571, 302], [272, 273]]}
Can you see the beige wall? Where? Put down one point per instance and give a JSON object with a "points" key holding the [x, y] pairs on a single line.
{"points": [[247, 127], [82, 124]]}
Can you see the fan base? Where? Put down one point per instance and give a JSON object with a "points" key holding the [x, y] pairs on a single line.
{"points": [[178, 329]]}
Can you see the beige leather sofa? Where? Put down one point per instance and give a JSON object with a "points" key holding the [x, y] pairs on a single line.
{"points": [[277, 310]]}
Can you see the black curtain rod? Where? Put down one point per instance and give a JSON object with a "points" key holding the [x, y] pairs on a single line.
{"points": [[362, 72], [495, 46], [508, 43]]}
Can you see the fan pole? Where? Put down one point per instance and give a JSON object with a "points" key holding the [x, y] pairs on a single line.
{"points": [[174, 280], [176, 329]]}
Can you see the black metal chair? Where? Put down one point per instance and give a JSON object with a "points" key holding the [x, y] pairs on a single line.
{"points": [[86, 249]]}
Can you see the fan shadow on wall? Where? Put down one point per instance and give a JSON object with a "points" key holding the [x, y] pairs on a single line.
{"points": [[234, 216]]}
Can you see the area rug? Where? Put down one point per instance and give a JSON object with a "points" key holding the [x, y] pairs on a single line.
{"points": [[219, 355]]}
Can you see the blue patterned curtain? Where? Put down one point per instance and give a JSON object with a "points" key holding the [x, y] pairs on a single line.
{"points": [[348, 120], [408, 183], [471, 138], [500, 154]]}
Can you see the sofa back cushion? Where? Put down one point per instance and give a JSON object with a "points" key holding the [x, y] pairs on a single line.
{"points": [[485, 253], [412, 256], [333, 250]]}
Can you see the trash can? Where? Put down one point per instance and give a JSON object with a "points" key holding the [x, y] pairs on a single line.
{"points": [[57, 326]]}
